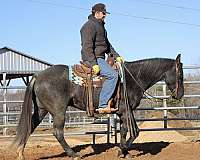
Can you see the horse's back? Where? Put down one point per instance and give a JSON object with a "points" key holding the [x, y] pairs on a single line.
{"points": [[54, 71]]}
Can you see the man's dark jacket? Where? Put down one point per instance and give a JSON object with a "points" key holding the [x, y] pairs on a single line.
{"points": [[94, 41]]}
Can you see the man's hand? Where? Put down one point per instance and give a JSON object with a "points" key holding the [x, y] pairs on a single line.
{"points": [[120, 59], [96, 69]]}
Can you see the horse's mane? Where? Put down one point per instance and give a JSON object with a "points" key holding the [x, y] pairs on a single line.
{"points": [[152, 63], [148, 69]]}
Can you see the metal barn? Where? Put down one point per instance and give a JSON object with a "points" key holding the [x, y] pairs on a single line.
{"points": [[15, 64]]}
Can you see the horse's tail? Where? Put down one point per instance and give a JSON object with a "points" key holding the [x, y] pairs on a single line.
{"points": [[25, 122]]}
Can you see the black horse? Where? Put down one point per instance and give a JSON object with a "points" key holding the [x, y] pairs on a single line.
{"points": [[51, 91]]}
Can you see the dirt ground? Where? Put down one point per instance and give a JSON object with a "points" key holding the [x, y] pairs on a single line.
{"points": [[167, 145], [48, 148]]}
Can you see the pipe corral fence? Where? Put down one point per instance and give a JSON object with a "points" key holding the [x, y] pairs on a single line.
{"points": [[10, 112]]}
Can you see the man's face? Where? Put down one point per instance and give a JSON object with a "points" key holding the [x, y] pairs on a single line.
{"points": [[100, 15]]}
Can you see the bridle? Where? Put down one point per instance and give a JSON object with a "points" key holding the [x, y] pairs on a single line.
{"points": [[178, 65]]}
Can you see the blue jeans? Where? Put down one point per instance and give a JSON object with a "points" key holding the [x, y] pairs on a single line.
{"points": [[109, 85]]}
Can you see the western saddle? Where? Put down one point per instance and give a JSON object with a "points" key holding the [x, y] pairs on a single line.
{"points": [[85, 71]]}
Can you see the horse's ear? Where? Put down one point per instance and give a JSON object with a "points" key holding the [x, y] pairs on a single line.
{"points": [[178, 58]]}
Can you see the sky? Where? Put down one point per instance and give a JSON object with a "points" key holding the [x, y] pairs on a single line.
{"points": [[138, 29]]}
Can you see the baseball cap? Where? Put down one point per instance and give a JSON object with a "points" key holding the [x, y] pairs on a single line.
{"points": [[99, 7]]}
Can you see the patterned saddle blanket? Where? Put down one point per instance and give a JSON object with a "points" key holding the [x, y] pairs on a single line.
{"points": [[78, 75]]}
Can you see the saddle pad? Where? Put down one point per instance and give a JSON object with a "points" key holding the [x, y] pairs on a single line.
{"points": [[79, 80]]}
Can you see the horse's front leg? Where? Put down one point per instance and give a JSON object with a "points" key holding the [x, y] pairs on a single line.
{"points": [[123, 133]]}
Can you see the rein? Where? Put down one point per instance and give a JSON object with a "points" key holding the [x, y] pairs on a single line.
{"points": [[131, 123]]}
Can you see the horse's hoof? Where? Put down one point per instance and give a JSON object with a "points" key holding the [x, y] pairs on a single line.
{"points": [[21, 158], [122, 153], [77, 158], [74, 156], [77, 154]]}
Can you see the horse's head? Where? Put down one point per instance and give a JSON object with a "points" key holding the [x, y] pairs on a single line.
{"points": [[174, 79]]}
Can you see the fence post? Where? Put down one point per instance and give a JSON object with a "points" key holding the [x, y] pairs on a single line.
{"points": [[84, 122], [113, 120], [50, 119], [115, 128], [108, 129], [4, 103], [165, 105], [93, 138], [112, 124]]}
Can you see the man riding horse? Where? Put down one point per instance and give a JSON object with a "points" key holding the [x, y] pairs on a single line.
{"points": [[95, 45], [51, 91]]}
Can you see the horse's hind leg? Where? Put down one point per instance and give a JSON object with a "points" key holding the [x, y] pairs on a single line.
{"points": [[58, 125], [37, 117]]}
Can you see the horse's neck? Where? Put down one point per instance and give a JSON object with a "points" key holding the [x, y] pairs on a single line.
{"points": [[147, 73]]}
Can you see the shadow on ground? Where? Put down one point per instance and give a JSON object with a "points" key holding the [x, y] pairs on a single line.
{"points": [[152, 148]]}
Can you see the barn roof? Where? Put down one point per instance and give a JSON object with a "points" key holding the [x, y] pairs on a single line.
{"points": [[17, 64]]}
